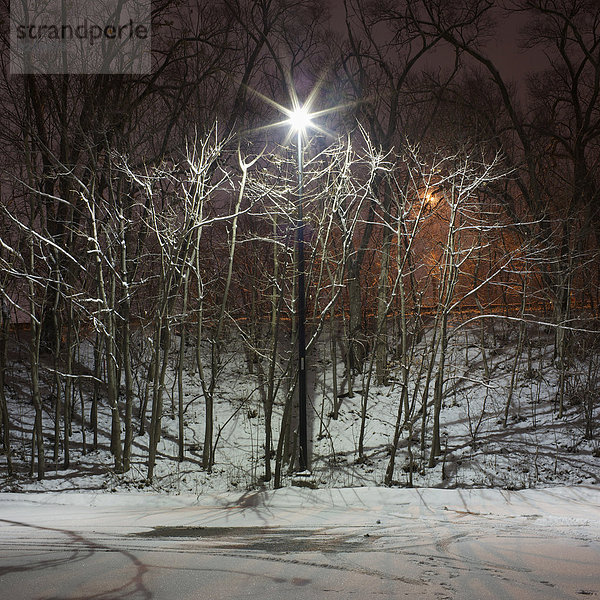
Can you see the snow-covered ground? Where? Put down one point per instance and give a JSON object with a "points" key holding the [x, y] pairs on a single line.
{"points": [[299, 543], [566, 509], [506, 512], [537, 448]]}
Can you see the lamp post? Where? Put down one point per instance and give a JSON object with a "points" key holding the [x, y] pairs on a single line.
{"points": [[300, 120]]}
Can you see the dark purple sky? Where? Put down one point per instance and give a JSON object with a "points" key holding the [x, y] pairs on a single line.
{"points": [[513, 62]]}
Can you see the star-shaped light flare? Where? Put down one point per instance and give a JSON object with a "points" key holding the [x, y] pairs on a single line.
{"points": [[300, 117]]}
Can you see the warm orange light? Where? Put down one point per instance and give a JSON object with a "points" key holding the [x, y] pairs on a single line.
{"points": [[430, 199]]}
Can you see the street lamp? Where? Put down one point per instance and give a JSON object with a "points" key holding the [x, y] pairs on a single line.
{"points": [[299, 121]]}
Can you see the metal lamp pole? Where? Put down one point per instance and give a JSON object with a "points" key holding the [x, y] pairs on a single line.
{"points": [[303, 433]]}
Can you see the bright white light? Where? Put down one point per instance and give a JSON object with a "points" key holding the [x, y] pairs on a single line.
{"points": [[300, 119]]}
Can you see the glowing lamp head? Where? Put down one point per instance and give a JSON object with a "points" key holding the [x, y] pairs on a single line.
{"points": [[300, 119]]}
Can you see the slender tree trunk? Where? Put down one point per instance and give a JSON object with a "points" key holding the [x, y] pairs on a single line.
{"points": [[98, 348], [38, 432], [334, 371], [4, 329], [436, 448], [447, 285], [163, 343], [180, 363], [81, 404], [355, 310], [112, 386], [403, 403], [68, 404], [381, 367], [562, 316], [58, 385], [518, 352], [125, 330], [126, 358], [432, 356], [207, 450], [285, 452]]}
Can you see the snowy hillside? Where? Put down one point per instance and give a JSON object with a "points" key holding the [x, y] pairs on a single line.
{"points": [[535, 449]]}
